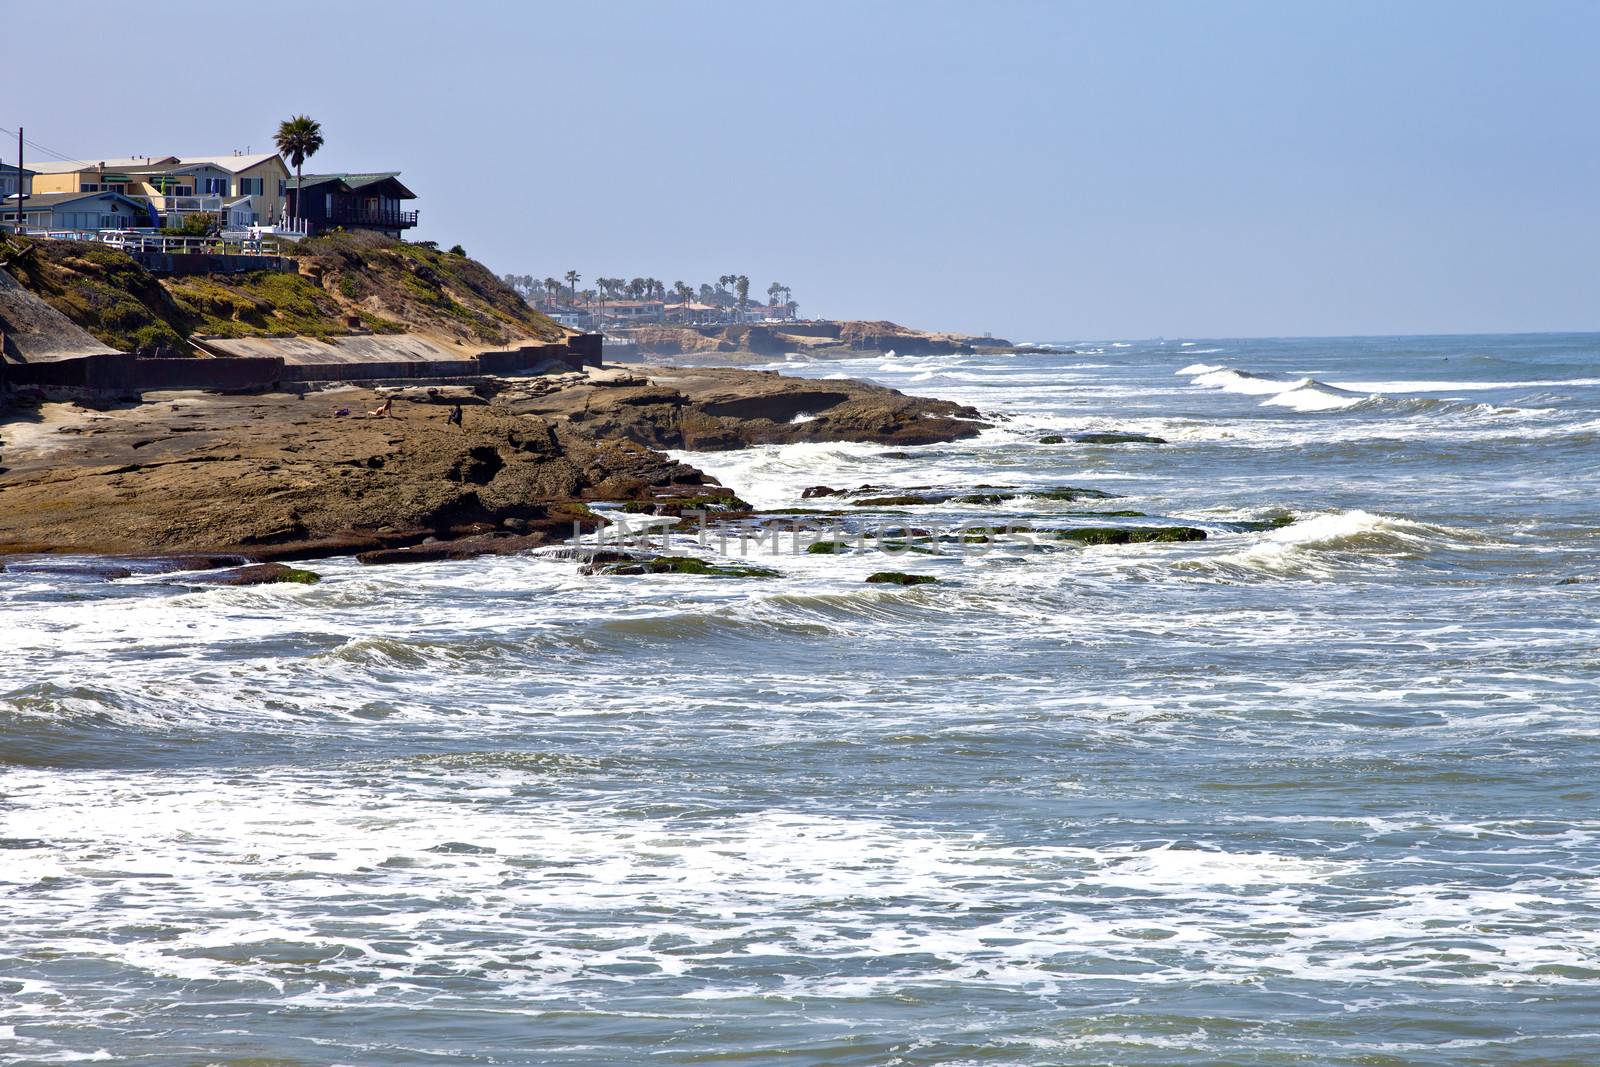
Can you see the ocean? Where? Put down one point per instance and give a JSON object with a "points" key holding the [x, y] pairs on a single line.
{"points": [[1317, 793]]}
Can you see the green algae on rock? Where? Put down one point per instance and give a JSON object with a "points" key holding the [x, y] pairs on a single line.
{"points": [[900, 578], [681, 565], [1130, 535]]}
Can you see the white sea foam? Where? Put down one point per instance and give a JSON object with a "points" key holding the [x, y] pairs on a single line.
{"points": [[1246, 382], [1312, 395], [1331, 544]]}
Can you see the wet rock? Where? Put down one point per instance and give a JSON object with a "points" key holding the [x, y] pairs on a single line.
{"points": [[1052, 439], [1117, 439], [900, 578], [436, 551], [821, 490], [723, 504], [1071, 492], [907, 500], [1130, 535], [258, 574], [1274, 522], [636, 565]]}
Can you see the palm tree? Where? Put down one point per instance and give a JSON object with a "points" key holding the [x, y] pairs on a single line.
{"points": [[741, 285], [772, 293], [572, 282], [298, 140]]}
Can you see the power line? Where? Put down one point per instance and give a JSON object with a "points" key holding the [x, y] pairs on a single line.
{"points": [[41, 148]]}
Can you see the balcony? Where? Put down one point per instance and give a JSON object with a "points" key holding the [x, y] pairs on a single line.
{"points": [[382, 218]]}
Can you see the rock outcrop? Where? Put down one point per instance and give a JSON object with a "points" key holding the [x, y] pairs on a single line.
{"points": [[717, 409], [283, 477]]}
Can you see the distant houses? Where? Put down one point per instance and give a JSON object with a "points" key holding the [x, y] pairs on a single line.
{"points": [[240, 192], [84, 211]]}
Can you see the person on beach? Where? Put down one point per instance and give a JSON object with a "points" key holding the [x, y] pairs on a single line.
{"points": [[384, 410], [455, 416]]}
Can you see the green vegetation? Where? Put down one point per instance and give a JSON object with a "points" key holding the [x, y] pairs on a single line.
{"points": [[826, 548], [392, 286], [1272, 522], [721, 503], [297, 140], [900, 578], [300, 577], [1130, 535], [267, 303], [197, 225], [1068, 492], [102, 290], [687, 565], [1052, 439], [890, 501]]}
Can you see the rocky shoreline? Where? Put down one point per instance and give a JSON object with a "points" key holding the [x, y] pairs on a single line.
{"points": [[200, 480]]}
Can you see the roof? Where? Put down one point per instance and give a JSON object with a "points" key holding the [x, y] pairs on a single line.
{"points": [[359, 180], [118, 163], [11, 168], [36, 201], [234, 163], [230, 162], [182, 166]]}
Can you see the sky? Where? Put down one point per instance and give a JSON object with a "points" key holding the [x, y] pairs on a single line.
{"points": [[1039, 170]]}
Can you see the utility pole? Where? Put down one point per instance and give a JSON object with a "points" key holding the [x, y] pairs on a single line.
{"points": [[18, 227]]}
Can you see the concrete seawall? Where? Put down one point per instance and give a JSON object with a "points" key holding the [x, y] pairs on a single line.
{"points": [[253, 364]]}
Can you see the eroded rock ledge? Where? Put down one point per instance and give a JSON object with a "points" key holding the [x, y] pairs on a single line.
{"points": [[712, 409], [287, 477]]}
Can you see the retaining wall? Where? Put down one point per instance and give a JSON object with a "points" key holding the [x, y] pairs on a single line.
{"points": [[126, 374], [210, 263]]}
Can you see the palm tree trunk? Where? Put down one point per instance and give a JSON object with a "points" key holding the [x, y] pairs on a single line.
{"points": [[299, 196]]}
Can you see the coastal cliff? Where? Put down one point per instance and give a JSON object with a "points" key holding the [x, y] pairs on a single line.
{"points": [[818, 338], [344, 282]]}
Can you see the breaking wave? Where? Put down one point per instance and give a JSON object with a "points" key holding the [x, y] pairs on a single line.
{"points": [[1323, 546]]}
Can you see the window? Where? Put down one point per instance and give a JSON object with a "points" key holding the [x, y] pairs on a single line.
{"points": [[88, 187], [252, 186], [283, 186], [214, 186]]}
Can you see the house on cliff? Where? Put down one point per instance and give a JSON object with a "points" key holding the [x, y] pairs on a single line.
{"points": [[374, 201], [58, 212], [11, 179], [240, 190]]}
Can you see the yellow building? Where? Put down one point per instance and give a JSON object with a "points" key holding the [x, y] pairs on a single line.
{"points": [[263, 177], [242, 189]]}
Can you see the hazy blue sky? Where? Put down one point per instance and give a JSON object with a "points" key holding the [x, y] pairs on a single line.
{"points": [[1041, 170]]}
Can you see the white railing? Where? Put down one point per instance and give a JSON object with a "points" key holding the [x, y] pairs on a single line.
{"points": [[139, 241], [158, 242]]}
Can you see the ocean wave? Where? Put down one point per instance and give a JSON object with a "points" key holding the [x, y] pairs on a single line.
{"points": [[1331, 544], [1312, 395], [1247, 383]]}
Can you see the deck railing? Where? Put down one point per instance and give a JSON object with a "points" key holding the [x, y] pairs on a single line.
{"points": [[135, 241], [360, 215]]}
